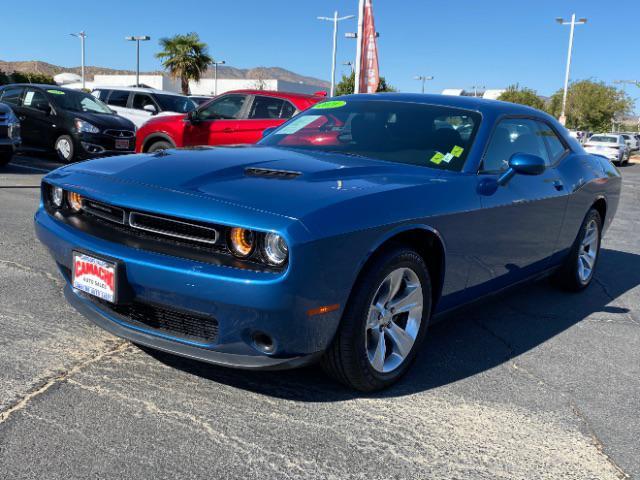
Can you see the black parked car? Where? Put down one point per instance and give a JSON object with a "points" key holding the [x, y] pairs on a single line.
{"points": [[74, 124], [9, 134]]}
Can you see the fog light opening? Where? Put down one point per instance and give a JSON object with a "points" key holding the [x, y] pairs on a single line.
{"points": [[263, 343]]}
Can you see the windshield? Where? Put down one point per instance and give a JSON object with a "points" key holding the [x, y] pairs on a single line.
{"points": [[175, 103], [603, 139], [415, 134], [78, 101]]}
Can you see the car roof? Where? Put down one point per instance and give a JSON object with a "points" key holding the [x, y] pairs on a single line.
{"points": [[155, 91], [40, 85], [275, 93], [469, 103]]}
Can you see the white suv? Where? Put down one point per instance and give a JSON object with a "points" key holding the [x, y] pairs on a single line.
{"points": [[612, 146], [140, 104], [632, 141]]}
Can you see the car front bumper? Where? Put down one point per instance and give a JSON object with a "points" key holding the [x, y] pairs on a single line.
{"points": [[244, 303]]}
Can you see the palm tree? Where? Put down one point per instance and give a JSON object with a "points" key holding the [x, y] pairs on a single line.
{"points": [[185, 57]]}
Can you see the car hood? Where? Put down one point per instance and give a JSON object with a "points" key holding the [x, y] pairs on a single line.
{"points": [[105, 120], [284, 182]]}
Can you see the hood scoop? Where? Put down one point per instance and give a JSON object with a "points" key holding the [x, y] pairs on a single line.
{"points": [[271, 173]]}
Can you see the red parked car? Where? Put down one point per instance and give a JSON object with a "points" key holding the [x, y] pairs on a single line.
{"points": [[235, 117]]}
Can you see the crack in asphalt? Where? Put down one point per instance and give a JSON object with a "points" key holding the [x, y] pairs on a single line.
{"points": [[606, 291], [595, 440], [20, 404]]}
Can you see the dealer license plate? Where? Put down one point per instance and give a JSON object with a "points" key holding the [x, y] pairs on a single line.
{"points": [[122, 144], [94, 276]]}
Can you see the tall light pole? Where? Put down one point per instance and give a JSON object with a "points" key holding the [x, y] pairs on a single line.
{"points": [[335, 19], [215, 75], [423, 79], [81, 35], [573, 23], [350, 65], [138, 39]]}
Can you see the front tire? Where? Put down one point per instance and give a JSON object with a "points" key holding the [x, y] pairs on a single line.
{"points": [[158, 146], [64, 149], [579, 267], [384, 322]]}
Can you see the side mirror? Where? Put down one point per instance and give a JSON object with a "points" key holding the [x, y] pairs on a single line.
{"points": [[194, 117], [268, 131], [522, 164], [150, 108]]}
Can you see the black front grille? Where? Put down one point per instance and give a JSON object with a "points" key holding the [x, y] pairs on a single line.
{"points": [[120, 133], [102, 210], [173, 228], [177, 323]]}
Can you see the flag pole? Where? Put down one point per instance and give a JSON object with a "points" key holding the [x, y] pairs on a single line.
{"points": [[359, 47]]}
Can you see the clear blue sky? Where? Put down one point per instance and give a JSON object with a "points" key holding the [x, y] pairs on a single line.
{"points": [[462, 43]]}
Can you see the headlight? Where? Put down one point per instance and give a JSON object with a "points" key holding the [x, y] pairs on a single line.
{"points": [[275, 249], [241, 242], [57, 196], [85, 127], [75, 201]]}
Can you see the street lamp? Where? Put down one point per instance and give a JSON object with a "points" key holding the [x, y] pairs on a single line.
{"points": [[423, 79], [215, 75], [350, 65], [138, 39], [573, 23], [82, 35], [335, 19]]}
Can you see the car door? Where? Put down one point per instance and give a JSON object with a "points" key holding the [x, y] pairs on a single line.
{"points": [[138, 102], [37, 118], [118, 101], [217, 123], [264, 112], [518, 225]]}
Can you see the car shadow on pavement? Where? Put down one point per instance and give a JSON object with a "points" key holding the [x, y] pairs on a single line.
{"points": [[465, 344]]}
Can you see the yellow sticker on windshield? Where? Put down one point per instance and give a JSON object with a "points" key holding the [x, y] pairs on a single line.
{"points": [[327, 105], [457, 151], [437, 158], [56, 92]]}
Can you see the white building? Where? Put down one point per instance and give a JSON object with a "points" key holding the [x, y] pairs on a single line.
{"points": [[489, 94], [205, 86]]}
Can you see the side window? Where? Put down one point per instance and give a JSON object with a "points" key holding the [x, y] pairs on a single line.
{"points": [[12, 95], [35, 99], [513, 135], [118, 98], [288, 110], [556, 147], [228, 107], [266, 108], [101, 94], [141, 100]]}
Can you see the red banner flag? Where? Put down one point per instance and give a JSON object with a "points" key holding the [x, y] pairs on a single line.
{"points": [[370, 74]]}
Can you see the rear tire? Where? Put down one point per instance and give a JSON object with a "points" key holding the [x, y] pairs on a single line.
{"points": [[374, 346], [579, 267], [64, 149], [158, 146]]}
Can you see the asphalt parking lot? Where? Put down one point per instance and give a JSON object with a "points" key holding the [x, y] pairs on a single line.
{"points": [[536, 384]]}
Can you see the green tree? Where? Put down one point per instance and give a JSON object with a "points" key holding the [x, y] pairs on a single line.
{"points": [[346, 86], [523, 96], [591, 105], [185, 57]]}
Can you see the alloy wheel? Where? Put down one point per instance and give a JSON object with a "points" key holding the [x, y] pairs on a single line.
{"points": [[64, 148], [394, 319], [588, 252]]}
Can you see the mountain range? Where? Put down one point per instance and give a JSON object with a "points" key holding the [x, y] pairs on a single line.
{"points": [[224, 71]]}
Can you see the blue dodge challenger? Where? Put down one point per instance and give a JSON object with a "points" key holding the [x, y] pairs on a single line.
{"points": [[338, 238]]}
